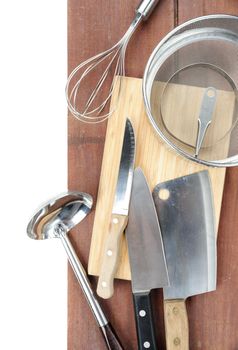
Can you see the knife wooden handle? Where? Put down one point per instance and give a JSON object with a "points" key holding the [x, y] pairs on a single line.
{"points": [[176, 325], [111, 255], [144, 321]]}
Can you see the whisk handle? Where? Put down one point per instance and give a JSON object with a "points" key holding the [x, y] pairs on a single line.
{"points": [[146, 7]]}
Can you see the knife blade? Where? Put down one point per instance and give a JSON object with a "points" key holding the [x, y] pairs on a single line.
{"points": [[119, 216], [186, 216], [147, 258]]}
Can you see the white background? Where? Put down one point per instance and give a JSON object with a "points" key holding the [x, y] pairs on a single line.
{"points": [[33, 143]]}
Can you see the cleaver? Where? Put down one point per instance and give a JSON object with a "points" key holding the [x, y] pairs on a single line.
{"points": [[186, 216]]}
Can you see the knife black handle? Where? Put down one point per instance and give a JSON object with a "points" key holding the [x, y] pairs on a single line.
{"points": [[144, 321], [110, 337]]}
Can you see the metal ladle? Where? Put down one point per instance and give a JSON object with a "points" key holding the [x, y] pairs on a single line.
{"points": [[54, 220]]}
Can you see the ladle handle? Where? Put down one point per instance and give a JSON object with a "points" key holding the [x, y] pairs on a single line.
{"points": [[111, 338], [108, 333]]}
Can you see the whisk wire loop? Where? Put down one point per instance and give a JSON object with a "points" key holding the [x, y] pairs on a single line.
{"points": [[93, 112]]}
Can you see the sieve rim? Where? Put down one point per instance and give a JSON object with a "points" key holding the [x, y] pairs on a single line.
{"points": [[227, 162]]}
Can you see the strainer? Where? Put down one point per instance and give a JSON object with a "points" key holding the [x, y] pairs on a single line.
{"points": [[190, 89]]}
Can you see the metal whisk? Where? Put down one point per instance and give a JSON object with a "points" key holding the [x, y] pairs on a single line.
{"points": [[111, 65]]}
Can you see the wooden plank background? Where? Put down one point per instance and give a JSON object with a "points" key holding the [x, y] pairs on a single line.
{"points": [[94, 26]]}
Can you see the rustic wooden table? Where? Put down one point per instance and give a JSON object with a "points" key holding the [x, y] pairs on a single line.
{"points": [[92, 27]]}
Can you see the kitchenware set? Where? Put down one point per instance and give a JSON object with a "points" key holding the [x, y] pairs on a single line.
{"points": [[170, 226]]}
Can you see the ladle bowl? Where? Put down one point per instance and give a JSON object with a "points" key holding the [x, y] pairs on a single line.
{"points": [[65, 211]]}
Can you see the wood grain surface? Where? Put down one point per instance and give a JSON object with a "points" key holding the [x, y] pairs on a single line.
{"points": [[158, 162], [94, 26]]}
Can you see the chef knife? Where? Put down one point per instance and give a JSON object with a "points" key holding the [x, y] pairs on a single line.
{"points": [[186, 216], [119, 216], [147, 258]]}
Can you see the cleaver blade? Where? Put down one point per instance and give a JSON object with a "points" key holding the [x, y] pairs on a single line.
{"points": [[186, 216]]}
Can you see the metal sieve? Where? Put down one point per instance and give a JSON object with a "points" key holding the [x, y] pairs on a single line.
{"points": [[190, 89]]}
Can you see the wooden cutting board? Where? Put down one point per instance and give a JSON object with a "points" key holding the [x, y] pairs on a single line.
{"points": [[156, 159], [213, 317]]}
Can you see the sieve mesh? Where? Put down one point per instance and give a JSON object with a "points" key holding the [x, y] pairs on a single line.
{"points": [[200, 54]]}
